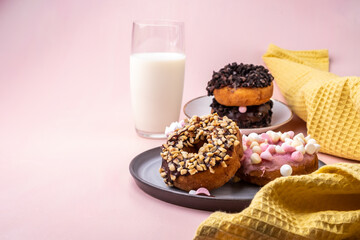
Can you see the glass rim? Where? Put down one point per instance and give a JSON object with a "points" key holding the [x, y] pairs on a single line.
{"points": [[157, 22]]}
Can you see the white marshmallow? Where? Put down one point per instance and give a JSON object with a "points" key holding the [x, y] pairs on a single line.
{"points": [[288, 141], [254, 136], [255, 158], [286, 170], [270, 132], [274, 137], [284, 136], [244, 147], [296, 143], [307, 138], [317, 147], [300, 135], [192, 192], [312, 141], [256, 149], [299, 139], [254, 143], [300, 149], [279, 150], [310, 148]]}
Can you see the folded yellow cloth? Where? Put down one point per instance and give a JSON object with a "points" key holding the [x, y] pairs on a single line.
{"points": [[321, 205], [329, 104]]}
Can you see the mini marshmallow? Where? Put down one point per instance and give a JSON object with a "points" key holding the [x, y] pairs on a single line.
{"points": [[297, 138], [297, 156], [192, 192], [266, 137], [264, 146], [173, 126], [307, 138], [300, 135], [287, 148], [286, 170], [275, 137], [255, 158], [271, 149], [254, 143], [203, 191], [253, 135], [296, 143], [310, 148], [266, 155], [284, 136], [312, 141], [300, 149], [288, 141], [279, 150], [270, 132], [256, 149], [245, 147], [291, 134], [317, 147], [242, 109]]}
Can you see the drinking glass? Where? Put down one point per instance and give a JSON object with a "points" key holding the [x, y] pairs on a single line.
{"points": [[157, 66]]}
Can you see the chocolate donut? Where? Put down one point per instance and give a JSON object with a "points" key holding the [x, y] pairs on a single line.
{"points": [[255, 116], [241, 85], [204, 152]]}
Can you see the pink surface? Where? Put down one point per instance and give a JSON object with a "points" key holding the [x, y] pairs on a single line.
{"points": [[67, 135]]}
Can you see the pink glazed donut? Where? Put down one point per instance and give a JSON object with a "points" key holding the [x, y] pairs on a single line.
{"points": [[274, 154]]}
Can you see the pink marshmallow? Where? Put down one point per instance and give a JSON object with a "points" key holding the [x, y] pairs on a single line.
{"points": [[266, 155], [291, 134], [266, 136], [242, 109], [271, 149], [264, 147], [203, 191], [297, 156], [287, 148]]}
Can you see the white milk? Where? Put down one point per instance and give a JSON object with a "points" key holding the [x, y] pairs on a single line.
{"points": [[156, 81]]}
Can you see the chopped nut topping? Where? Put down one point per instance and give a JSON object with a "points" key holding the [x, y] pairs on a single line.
{"points": [[213, 137]]}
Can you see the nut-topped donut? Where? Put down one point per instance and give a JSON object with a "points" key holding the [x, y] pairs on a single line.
{"points": [[275, 154], [204, 152], [241, 85]]}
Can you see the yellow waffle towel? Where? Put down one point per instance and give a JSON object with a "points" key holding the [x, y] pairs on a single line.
{"points": [[329, 104], [321, 205]]}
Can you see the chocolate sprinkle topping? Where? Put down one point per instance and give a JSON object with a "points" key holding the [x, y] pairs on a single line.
{"points": [[240, 75]]}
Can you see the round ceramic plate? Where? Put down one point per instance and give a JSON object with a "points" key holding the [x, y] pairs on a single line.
{"points": [[281, 113], [232, 197]]}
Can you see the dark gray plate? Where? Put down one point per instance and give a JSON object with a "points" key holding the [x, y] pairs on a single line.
{"points": [[232, 197]]}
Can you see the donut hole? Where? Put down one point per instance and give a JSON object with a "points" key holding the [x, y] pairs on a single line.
{"points": [[196, 147]]}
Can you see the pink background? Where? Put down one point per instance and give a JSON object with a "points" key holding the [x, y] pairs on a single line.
{"points": [[66, 132]]}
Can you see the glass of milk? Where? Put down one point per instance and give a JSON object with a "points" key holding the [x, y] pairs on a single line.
{"points": [[157, 65]]}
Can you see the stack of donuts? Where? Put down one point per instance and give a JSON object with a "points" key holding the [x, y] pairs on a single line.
{"points": [[242, 92]]}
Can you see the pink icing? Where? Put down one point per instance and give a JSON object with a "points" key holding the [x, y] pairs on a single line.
{"points": [[242, 109], [275, 163]]}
